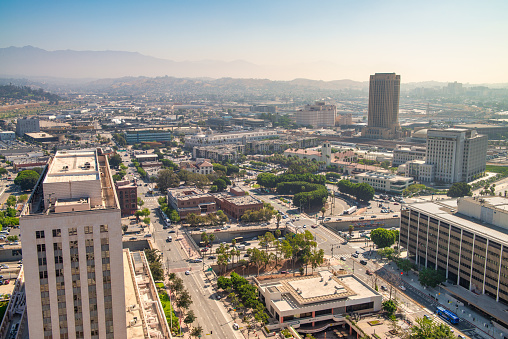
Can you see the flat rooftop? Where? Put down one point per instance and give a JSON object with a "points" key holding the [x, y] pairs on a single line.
{"points": [[443, 209], [301, 291], [243, 200], [73, 166]]}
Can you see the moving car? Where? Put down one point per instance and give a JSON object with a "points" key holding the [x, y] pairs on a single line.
{"points": [[187, 272]]}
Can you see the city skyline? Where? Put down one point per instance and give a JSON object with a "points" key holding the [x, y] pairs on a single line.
{"points": [[339, 40]]}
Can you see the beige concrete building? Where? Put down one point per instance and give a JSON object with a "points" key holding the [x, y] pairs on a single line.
{"points": [[72, 250], [317, 300], [325, 155], [318, 115], [456, 154], [383, 116], [467, 238], [402, 154], [384, 181]]}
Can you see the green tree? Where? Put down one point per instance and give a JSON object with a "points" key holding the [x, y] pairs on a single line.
{"points": [[459, 189], [428, 329], [12, 238], [11, 201], [26, 179], [278, 217], [382, 237], [323, 211], [404, 264], [364, 192], [197, 331], [140, 202], [386, 252], [184, 300], [351, 228], [154, 258], [220, 184], [431, 277], [3, 171], [190, 317], [22, 198], [115, 160], [390, 306], [167, 178]]}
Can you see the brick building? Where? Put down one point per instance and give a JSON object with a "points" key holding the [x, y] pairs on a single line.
{"points": [[187, 200], [235, 206], [127, 193]]}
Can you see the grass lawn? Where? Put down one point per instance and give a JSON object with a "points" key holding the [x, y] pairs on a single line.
{"points": [[496, 169], [168, 309]]}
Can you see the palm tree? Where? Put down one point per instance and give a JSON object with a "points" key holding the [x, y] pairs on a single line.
{"points": [[351, 229], [323, 210], [278, 216]]}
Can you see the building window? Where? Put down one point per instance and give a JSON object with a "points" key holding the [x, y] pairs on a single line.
{"points": [[104, 228], [88, 229], [41, 248], [57, 232], [73, 231], [39, 234]]}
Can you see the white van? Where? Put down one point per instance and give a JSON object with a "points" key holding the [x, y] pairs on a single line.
{"points": [[240, 247], [169, 239]]}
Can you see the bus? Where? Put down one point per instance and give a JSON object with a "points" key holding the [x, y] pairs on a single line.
{"points": [[350, 210], [239, 240], [447, 315]]}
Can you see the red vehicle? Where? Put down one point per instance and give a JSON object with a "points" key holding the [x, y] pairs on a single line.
{"points": [[217, 230], [204, 249]]}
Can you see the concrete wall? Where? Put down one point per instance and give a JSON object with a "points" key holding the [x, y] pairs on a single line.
{"points": [[13, 253], [363, 224], [136, 245], [227, 236]]}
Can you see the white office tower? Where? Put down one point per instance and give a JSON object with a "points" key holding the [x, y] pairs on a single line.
{"points": [[456, 154], [72, 250]]}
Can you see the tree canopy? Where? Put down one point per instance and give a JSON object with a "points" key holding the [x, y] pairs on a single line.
{"points": [[428, 329], [115, 160], [361, 191], [166, 178], [459, 189], [26, 179], [431, 277], [382, 237]]}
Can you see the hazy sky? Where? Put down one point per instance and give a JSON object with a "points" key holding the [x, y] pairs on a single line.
{"points": [[422, 40]]}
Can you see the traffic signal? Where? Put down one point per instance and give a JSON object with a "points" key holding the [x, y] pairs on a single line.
{"points": [[401, 273]]}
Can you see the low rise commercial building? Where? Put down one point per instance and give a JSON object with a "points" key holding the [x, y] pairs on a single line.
{"points": [[402, 154], [40, 137], [384, 181], [127, 193], [317, 300], [146, 157], [236, 205], [325, 155], [467, 238], [210, 138], [7, 135], [147, 135], [187, 200], [151, 164], [419, 170]]}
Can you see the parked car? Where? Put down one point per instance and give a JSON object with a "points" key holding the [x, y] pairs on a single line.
{"points": [[343, 258], [354, 255], [402, 287], [187, 272], [363, 262], [384, 288]]}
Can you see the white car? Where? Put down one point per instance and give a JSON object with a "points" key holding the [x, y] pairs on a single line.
{"points": [[402, 287], [187, 272]]}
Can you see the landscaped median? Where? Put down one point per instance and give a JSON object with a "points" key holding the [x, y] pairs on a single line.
{"points": [[168, 309]]}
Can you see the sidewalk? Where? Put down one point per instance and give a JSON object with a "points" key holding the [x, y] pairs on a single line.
{"points": [[483, 325]]}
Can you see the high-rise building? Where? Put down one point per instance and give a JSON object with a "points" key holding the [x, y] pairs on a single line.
{"points": [[456, 154], [72, 250], [383, 116], [318, 115], [27, 125]]}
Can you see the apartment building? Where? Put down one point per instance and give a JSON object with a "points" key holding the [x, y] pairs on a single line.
{"points": [[72, 250], [7, 136], [219, 153], [456, 154], [467, 238], [383, 115], [384, 181], [200, 166], [318, 115]]}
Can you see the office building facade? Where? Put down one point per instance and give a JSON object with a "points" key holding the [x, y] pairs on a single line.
{"points": [[72, 250], [383, 115], [318, 115], [149, 135], [456, 154], [27, 125], [465, 238]]}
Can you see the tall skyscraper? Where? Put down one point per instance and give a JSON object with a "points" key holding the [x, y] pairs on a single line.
{"points": [[383, 116], [72, 250]]}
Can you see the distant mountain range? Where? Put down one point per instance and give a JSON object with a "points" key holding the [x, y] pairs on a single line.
{"points": [[127, 71], [30, 61]]}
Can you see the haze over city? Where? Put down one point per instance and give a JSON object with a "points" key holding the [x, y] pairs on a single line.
{"points": [[329, 40]]}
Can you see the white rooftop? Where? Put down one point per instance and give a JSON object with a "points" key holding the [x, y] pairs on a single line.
{"points": [[71, 166]]}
